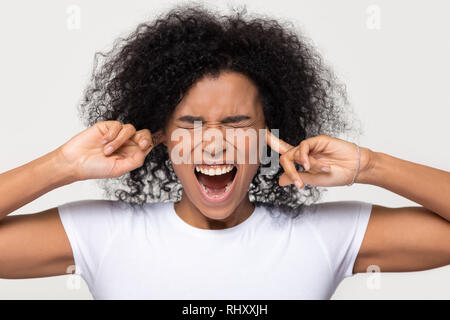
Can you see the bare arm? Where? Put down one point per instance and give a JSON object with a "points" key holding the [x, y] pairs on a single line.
{"points": [[33, 245], [408, 238], [396, 239], [424, 185], [30, 181], [36, 245]]}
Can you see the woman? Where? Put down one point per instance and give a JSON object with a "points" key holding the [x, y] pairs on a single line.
{"points": [[200, 220]]}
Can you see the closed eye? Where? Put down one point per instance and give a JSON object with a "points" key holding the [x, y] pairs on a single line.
{"points": [[230, 126], [186, 127], [238, 121], [247, 123]]}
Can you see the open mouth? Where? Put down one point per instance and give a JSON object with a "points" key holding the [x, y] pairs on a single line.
{"points": [[215, 181]]}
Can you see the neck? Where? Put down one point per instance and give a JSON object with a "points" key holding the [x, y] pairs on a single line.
{"points": [[187, 211]]}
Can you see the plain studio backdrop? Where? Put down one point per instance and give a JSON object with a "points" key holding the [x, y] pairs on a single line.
{"points": [[392, 55]]}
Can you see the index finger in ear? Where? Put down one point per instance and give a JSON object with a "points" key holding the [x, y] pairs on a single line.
{"points": [[145, 139], [157, 137], [277, 144]]}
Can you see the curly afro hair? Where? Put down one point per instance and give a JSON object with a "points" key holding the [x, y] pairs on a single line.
{"points": [[146, 74]]}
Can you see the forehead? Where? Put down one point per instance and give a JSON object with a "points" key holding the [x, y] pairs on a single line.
{"points": [[231, 93]]}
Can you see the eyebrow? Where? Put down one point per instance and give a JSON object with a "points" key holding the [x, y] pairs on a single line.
{"points": [[231, 119]]}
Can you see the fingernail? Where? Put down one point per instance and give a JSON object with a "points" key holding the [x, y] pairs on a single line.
{"points": [[326, 169], [298, 184], [104, 141], [109, 149], [143, 143]]}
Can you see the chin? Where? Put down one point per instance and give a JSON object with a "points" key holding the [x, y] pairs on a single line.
{"points": [[220, 214]]}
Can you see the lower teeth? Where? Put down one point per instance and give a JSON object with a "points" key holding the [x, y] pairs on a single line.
{"points": [[227, 187]]}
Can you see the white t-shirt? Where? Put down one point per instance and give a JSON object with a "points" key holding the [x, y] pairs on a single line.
{"points": [[126, 251]]}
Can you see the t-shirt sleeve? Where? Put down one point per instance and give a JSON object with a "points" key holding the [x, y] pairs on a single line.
{"points": [[341, 226], [90, 225]]}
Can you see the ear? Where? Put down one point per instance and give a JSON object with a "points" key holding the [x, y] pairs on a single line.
{"points": [[164, 141], [159, 137]]}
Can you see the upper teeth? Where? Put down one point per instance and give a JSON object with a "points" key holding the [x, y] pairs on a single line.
{"points": [[214, 171]]}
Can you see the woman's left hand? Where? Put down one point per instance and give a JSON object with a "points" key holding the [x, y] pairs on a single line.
{"points": [[338, 157]]}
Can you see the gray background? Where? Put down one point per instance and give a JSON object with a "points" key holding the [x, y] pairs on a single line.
{"points": [[393, 56]]}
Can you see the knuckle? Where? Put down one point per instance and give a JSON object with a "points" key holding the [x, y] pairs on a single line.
{"points": [[138, 135], [114, 128], [296, 149], [129, 128], [146, 133], [303, 144], [291, 154], [102, 125], [114, 124]]}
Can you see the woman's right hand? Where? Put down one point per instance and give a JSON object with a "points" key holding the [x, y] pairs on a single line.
{"points": [[90, 156]]}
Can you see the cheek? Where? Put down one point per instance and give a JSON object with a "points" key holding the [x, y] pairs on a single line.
{"points": [[247, 146], [180, 147], [179, 156], [251, 171], [183, 172]]}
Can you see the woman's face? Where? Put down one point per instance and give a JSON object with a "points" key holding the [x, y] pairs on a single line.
{"points": [[216, 159]]}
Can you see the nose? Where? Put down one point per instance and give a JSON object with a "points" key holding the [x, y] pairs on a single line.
{"points": [[214, 144]]}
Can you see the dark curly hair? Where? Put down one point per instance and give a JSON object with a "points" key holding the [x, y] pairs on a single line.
{"points": [[146, 74]]}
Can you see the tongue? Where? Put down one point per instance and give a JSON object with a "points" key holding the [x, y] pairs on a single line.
{"points": [[215, 182]]}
